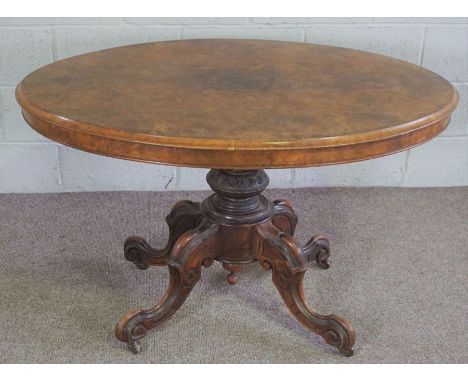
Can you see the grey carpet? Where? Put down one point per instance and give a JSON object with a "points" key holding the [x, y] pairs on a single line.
{"points": [[399, 274]]}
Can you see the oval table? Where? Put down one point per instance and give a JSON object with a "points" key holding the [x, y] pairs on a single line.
{"points": [[237, 107]]}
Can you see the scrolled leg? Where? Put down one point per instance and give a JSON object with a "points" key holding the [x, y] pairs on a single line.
{"points": [[184, 216], [284, 216], [139, 252], [280, 253], [317, 249], [191, 251]]}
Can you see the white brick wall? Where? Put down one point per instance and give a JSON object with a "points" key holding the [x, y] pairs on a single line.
{"points": [[81, 171], [31, 163]]}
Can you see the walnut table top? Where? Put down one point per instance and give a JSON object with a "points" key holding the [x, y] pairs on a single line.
{"points": [[236, 104]]}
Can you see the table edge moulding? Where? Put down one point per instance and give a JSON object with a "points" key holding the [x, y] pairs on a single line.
{"points": [[227, 153]]}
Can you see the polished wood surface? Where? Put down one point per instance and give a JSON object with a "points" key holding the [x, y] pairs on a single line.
{"points": [[235, 226], [236, 103]]}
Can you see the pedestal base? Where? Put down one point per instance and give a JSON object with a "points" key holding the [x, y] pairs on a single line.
{"points": [[236, 226]]}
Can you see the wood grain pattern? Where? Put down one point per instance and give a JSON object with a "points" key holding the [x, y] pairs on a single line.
{"points": [[236, 103]]}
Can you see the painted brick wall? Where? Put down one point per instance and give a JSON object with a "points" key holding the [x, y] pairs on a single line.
{"points": [[31, 163]]}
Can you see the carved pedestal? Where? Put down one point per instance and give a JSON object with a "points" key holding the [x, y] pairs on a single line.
{"points": [[235, 226]]}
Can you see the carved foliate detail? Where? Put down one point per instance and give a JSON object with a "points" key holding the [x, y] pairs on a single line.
{"points": [[237, 183], [237, 199]]}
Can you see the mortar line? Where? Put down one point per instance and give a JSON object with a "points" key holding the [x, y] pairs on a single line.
{"points": [[292, 177], [289, 25], [298, 25], [59, 169], [27, 143], [2, 116], [54, 43], [451, 136], [422, 47], [405, 172], [177, 178]]}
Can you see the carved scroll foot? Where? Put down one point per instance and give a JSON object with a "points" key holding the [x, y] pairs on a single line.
{"points": [[135, 347], [317, 249], [191, 251], [185, 215], [284, 216], [232, 277], [280, 253], [139, 252]]}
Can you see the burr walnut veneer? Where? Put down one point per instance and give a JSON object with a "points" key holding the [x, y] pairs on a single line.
{"points": [[238, 107]]}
